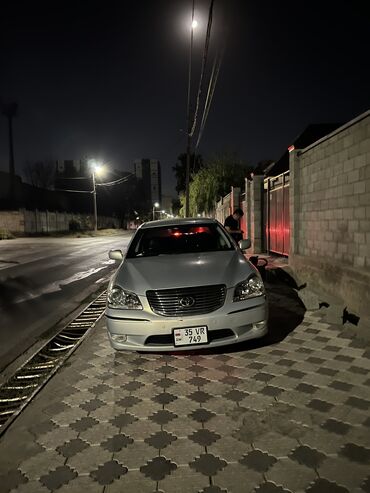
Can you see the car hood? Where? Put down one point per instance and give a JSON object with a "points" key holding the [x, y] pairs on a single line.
{"points": [[183, 270]]}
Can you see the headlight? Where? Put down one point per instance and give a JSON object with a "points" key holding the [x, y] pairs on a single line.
{"points": [[120, 298], [250, 288]]}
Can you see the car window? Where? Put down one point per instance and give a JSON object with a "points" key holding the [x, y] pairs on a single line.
{"points": [[179, 239]]}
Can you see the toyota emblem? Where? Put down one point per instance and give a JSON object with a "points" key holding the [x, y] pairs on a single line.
{"points": [[187, 302]]}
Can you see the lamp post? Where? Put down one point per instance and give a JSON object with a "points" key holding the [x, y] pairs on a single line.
{"points": [[194, 24], [96, 169], [156, 204]]}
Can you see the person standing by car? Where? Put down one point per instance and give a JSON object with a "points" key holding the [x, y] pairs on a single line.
{"points": [[232, 224]]}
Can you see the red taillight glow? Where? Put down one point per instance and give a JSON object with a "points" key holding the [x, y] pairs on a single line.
{"points": [[177, 233]]}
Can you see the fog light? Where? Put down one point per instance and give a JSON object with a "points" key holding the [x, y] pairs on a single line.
{"points": [[119, 337], [259, 325]]}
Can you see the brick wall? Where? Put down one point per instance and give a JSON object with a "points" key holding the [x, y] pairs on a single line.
{"points": [[330, 206]]}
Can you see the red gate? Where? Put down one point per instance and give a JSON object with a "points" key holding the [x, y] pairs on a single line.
{"points": [[278, 225]]}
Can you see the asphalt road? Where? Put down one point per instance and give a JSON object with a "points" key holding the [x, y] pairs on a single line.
{"points": [[44, 279]]}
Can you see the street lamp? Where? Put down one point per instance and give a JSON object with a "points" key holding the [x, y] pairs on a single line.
{"points": [[194, 24], [96, 169], [156, 204]]}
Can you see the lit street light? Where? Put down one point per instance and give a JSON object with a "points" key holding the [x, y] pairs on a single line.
{"points": [[156, 204], [96, 169]]}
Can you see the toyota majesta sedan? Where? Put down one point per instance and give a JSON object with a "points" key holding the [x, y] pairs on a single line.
{"points": [[183, 284]]}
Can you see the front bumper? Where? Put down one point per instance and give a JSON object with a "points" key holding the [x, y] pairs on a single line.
{"points": [[146, 331]]}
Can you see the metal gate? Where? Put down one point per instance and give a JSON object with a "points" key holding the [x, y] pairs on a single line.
{"points": [[277, 227]]}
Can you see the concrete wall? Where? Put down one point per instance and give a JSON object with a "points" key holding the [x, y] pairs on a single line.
{"points": [[25, 221], [330, 212]]}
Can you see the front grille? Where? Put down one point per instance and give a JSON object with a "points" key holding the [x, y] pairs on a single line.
{"points": [[169, 302]]}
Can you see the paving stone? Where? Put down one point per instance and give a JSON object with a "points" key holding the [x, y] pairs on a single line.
{"points": [[325, 486], [236, 395], [337, 427], [356, 453], [84, 424], [41, 463], [256, 366], [92, 405], [272, 391], [291, 475], [285, 362], [88, 459], [55, 479], [34, 487], [208, 464], [213, 489], [99, 389], [98, 433], [337, 385], [108, 472], [306, 388], [71, 448], [327, 371], [204, 437], [358, 370], [295, 374], [258, 461], [163, 417], [322, 440], [136, 372], [160, 440], [12, 480], [56, 408], [343, 472], [164, 398], [123, 420], [231, 380], [117, 442], [230, 479], [320, 405], [202, 415], [56, 436], [307, 456], [358, 403], [199, 396], [79, 484], [269, 487], [264, 377], [183, 480], [158, 468], [129, 401], [198, 381]]}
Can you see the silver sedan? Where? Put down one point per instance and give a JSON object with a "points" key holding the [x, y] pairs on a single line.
{"points": [[184, 284]]}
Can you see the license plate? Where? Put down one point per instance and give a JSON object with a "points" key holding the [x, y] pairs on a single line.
{"points": [[189, 336]]}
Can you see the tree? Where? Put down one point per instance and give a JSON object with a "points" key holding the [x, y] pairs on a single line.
{"points": [[40, 173], [196, 162], [214, 181]]}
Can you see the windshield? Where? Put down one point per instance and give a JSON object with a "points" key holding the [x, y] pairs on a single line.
{"points": [[188, 238]]}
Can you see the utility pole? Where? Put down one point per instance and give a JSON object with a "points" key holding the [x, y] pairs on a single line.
{"points": [[188, 146], [95, 206]]}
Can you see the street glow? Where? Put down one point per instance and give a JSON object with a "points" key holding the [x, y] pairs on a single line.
{"points": [[156, 204], [194, 24]]}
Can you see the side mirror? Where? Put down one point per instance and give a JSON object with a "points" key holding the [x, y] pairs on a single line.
{"points": [[245, 244], [116, 255]]}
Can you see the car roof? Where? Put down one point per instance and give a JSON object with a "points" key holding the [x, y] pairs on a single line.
{"points": [[178, 222]]}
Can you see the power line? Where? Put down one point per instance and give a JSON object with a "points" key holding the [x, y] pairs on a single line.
{"points": [[211, 90], [204, 61], [116, 182]]}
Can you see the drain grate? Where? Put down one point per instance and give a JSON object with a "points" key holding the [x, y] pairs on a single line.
{"points": [[21, 387]]}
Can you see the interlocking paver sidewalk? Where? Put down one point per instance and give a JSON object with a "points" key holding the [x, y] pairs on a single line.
{"points": [[288, 415]]}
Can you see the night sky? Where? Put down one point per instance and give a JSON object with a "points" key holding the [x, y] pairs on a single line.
{"points": [[109, 79]]}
